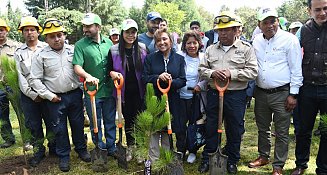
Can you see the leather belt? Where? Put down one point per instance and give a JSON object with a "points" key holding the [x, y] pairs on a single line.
{"points": [[276, 89]]}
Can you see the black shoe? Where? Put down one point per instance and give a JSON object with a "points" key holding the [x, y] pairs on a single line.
{"points": [[85, 156], [231, 168], [34, 161], [64, 165], [113, 154], [204, 167], [7, 144], [52, 153]]}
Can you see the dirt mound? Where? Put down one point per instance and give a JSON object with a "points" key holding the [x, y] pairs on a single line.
{"points": [[16, 166]]}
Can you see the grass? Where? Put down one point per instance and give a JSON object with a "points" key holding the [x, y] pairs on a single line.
{"points": [[248, 153]]}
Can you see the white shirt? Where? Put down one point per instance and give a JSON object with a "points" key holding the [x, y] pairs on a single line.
{"points": [[279, 61]]}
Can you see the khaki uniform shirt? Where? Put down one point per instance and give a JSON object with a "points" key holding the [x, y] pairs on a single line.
{"points": [[53, 72], [8, 49], [23, 57], [240, 59]]}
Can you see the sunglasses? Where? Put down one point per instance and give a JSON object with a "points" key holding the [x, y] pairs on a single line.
{"points": [[223, 19], [50, 23]]}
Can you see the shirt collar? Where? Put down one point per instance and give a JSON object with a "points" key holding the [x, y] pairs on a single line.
{"points": [[235, 44], [38, 45], [102, 40]]}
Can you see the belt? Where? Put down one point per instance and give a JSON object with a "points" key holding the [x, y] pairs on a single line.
{"points": [[276, 89], [69, 92]]}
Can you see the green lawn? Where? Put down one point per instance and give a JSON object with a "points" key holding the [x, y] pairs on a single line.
{"points": [[248, 153]]}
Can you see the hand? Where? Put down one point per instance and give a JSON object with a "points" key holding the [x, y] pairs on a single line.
{"points": [[56, 99], [220, 75], [92, 80], [115, 75], [38, 99], [197, 89], [290, 103], [165, 77]]}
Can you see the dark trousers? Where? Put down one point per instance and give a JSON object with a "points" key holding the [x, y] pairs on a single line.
{"points": [[233, 114], [311, 100], [71, 106], [133, 105], [34, 112], [5, 128]]}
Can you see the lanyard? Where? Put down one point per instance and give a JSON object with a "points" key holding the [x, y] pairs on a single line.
{"points": [[166, 64]]}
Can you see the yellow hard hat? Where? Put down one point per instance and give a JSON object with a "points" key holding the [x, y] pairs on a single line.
{"points": [[52, 25], [4, 24], [29, 21], [227, 19]]}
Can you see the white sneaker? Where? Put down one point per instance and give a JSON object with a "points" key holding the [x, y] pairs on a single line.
{"points": [[129, 155], [191, 158], [27, 146]]}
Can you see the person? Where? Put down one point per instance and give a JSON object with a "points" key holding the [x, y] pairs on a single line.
{"points": [[165, 64], [114, 35], [91, 62], [54, 79], [212, 34], [313, 39], [126, 60], [163, 24], [294, 27], [283, 23], [278, 54], [153, 20], [32, 104], [190, 103], [7, 48], [235, 60], [196, 26]]}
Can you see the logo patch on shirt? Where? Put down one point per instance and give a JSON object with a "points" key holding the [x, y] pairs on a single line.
{"points": [[239, 52]]}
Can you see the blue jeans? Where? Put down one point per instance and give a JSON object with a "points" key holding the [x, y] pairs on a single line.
{"points": [[71, 106], [34, 112], [312, 99], [106, 112], [5, 128], [233, 114]]}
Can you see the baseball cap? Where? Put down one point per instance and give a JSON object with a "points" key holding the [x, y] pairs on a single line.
{"points": [[113, 31], [295, 25], [129, 23], [91, 18], [153, 16], [265, 12]]}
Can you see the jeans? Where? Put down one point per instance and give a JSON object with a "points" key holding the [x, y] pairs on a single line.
{"points": [[5, 128], [233, 114], [34, 112], [71, 106], [270, 107], [106, 112], [312, 98]]}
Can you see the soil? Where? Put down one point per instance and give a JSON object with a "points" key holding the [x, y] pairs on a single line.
{"points": [[16, 166]]}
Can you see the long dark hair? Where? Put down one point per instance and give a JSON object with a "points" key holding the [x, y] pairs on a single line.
{"points": [[136, 52]]}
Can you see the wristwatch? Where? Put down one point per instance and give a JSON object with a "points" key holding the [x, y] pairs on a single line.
{"points": [[293, 95]]}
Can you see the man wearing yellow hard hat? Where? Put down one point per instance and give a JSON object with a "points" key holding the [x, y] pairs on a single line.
{"points": [[230, 60], [53, 77], [32, 104], [7, 48]]}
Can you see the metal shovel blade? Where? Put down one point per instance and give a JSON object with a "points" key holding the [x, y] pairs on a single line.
{"points": [[121, 156], [217, 163], [99, 160]]}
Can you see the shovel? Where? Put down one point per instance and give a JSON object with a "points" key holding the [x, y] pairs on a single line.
{"points": [[217, 160], [98, 155], [121, 151], [177, 168]]}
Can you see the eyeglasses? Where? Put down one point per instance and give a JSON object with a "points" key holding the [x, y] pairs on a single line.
{"points": [[55, 23], [223, 19]]}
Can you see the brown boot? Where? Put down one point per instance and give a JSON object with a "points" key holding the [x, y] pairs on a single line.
{"points": [[298, 171], [277, 171], [260, 161]]}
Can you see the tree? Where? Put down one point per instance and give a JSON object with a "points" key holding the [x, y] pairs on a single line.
{"points": [[14, 19], [294, 10], [249, 19], [111, 12], [139, 17], [172, 14]]}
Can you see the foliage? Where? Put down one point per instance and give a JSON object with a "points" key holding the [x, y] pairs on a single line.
{"points": [[152, 120], [71, 21], [205, 19], [248, 15], [172, 14], [323, 125], [111, 12], [138, 15], [294, 10], [14, 19], [8, 68]]}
